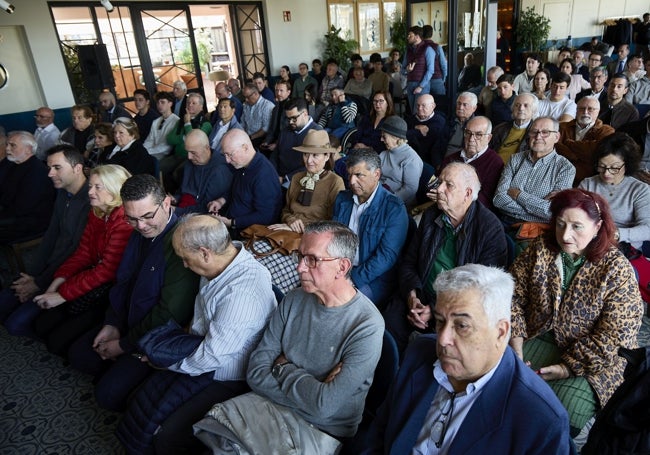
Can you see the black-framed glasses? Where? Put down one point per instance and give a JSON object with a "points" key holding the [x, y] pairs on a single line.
{"points": [[144, 218], [471, 134], [543, 133], [294, 118], [309, 260], [612, 170], [439, 429]]}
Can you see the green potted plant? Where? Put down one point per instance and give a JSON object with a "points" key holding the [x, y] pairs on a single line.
{"points": [[532, 30], [398, 32], [339, 47]]}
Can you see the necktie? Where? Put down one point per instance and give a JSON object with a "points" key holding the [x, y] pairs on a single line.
{"points": [[621, 67]]}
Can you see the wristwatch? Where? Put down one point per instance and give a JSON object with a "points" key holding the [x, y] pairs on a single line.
{"points": [[277, 369]]}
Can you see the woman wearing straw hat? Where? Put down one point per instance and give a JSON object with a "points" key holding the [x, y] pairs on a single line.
{"points": [[312, 193]]}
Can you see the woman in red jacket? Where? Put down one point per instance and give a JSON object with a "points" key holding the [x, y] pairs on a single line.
{"points": [[77, 298]]}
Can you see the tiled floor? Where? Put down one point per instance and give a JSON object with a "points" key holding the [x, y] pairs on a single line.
{"points": [[48, 408]]}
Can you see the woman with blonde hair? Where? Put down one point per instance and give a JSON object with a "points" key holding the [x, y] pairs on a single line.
{"points": [[77, 298]]}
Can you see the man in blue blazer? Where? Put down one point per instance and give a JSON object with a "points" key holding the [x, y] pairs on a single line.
{"points": [[465, 391], [380, 220]]}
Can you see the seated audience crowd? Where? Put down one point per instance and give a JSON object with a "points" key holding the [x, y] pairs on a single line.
{"points": [[507, 300]]}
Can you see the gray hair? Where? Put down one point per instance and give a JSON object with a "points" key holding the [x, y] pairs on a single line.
{"points": [[488, 128], [599, 69], [26, 138], [495, 286], [197, 230], [197, 95], [496, 71], [534, 103], [180, 84], [556, 123], [472, 97], [344, 241], [468, 175], [364, 155]]}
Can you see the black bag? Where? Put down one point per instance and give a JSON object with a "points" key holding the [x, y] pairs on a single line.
{"points": [[623, 426]]}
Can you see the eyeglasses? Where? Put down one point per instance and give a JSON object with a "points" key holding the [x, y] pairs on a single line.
{"points": [[229, 155], [470, 134], [612, 170], [309, 259], [294, 118], [543, 133], [133, 221], [440, 426]]}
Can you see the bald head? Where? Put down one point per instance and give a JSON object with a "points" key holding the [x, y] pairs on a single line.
{"points": [[197, 145], [238, 149], [44, 116], [424, 106], [221, 90]]}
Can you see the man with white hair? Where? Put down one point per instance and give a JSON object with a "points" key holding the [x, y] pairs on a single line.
{"points": [[46, 134], [466, 105], [26, 192], [464, 389], [456, 230], [511, 137]]}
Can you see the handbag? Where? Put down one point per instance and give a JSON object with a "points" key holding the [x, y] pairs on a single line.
{"points": [[282, 241]]}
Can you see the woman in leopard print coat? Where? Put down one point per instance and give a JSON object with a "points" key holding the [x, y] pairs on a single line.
{"points": [[577, 286]]}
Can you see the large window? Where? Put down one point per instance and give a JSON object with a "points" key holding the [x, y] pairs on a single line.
{"points": [[367, 21]]}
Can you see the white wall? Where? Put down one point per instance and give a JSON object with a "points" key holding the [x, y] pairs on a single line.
{"points": [[584, 16], [299, 40]]}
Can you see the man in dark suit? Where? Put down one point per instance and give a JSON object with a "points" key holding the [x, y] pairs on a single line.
{"points": [[466, 390], [618, 66]]}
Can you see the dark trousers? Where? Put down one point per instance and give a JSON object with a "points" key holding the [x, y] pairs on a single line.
{"points": [[114, 379], [166, 400], [59, 329]]}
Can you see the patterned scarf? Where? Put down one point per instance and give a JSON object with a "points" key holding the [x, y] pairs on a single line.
{"points": [[308, 183]]}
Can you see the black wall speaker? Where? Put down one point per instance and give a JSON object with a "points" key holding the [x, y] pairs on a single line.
{"points": [[95, 66]]}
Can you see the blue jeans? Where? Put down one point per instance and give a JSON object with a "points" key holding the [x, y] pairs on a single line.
{"points": [[20, 318], [437, 87]]}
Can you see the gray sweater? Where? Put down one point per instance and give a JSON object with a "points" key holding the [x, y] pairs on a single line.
{"points": [[629, 203], [401, 169], [314, 339]]}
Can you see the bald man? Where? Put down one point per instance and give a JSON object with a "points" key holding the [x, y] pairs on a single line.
{"points": [[255, 196], [222, 91]]}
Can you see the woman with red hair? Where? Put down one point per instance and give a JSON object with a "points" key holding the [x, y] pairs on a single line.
{"points": [[576, 302]]}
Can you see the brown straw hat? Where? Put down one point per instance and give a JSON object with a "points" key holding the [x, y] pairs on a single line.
{"points": [[316, 141]]}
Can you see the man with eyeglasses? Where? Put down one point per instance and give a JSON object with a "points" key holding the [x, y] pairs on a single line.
{"points": [[206, 175], [255, 196], [532, 177], [478, 154], [597, 80], [256, 117], [580, 137], [512, 137], [594, 61], [207, 365], [618, 111], [316, 359], [558, 105], [464, 390], [152, 287], [456, 230], [284, 158], [46, 134]]}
